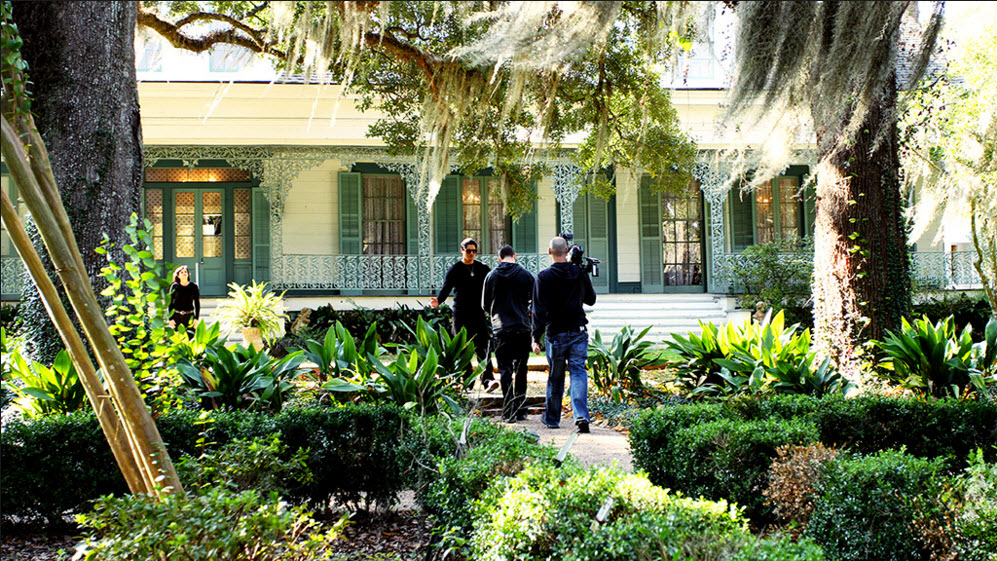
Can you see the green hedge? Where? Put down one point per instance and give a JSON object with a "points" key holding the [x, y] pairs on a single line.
{"points": [[551, 513], [55, 465], [719, 450], [865, 507]]}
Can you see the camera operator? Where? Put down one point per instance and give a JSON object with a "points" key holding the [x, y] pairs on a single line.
{"points": [[560, 291]]}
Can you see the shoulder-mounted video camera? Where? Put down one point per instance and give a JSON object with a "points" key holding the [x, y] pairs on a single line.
{"points": [[576, 255]]}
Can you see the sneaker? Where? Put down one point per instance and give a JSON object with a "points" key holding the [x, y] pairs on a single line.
{"points": [[491, 386], [583, 426], [522, 417]]}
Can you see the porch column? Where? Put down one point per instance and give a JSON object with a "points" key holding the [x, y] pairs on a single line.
{"points": [[712, 183], [567, 179]]}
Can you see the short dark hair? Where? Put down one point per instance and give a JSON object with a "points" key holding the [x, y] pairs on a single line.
{"points": [[464, 244], [506, 251]]}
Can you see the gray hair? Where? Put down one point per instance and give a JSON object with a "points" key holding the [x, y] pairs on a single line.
{"points": [[558, 246]]}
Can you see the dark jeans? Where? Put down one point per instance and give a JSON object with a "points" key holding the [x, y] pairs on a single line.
{"points": [[512, 351], [481, 334], [571, 350], [182, 320]]}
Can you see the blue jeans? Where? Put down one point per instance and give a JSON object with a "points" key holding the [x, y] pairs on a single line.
{"points": [[571, 350]]}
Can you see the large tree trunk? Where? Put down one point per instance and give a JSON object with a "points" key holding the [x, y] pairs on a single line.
{"points": [[861, 283], [81, 61]]}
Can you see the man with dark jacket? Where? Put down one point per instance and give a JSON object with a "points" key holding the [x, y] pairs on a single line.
{"points": [[467, 277], [561, 289], [506, 299]]}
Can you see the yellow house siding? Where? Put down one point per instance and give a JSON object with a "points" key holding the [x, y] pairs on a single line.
{"points": [[311, 221], [546, 214], [627, 227]]}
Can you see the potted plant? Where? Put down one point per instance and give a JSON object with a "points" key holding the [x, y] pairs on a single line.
{"points": [[258, 312]]}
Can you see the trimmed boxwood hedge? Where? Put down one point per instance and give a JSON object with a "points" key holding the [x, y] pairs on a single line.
{"points": [[55, 465], [926, 428]]}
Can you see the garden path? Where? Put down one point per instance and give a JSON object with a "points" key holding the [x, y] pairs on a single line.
{"points": [[602, 446]]}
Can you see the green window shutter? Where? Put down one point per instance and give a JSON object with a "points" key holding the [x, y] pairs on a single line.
{"points": [[350, 214], [261, 237], [524, 232], [411, 226], [651, 252], [598, 239], [742, 219], [579, 218], [447, 216]]}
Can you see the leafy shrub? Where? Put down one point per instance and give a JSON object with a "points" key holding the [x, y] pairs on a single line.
{"points": [[652, 436], [354, 454], [972, 312], [8, 317], [194, 344], [976, 539], [461, 480], [240, 378], [425, 375], [44, 390], [792, 477], [777, 273], [926, 357], [549, 513], [616, 368], [754, 359], [218, 524], [261, 464], [865, 506], [339, 354], [394, 324], [781, 548], [729, 459]]}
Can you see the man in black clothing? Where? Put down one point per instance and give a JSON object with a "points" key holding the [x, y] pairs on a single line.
{"points": [[561, 289], [506, 298], [467, 277]]}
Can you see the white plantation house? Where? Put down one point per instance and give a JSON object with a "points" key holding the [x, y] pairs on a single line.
{"points": [[249, 177]]}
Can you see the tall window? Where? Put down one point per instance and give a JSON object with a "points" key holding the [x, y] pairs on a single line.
{"points": [[154, 213], [383, 215], [773, 212], [478, 215]]}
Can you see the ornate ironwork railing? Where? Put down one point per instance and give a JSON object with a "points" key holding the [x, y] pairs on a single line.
{"points": [[11, 276], [379, 272]]}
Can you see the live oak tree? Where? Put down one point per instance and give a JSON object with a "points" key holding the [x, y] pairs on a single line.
{"points": [[476, 84], [835, 64], [82, 61]]}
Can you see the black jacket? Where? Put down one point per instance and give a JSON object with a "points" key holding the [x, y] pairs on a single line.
{"points": [[185, 298], [468, 281], [561, 289], [506, 298]]}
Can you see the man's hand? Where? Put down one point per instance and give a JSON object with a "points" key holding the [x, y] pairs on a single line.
{"points": [[536, 348], [434, 302]]}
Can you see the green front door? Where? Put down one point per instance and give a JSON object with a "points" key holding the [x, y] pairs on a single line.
{"points": [[199, 239]]}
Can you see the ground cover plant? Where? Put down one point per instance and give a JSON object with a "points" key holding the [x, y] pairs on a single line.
{"points": [[616, 367]]}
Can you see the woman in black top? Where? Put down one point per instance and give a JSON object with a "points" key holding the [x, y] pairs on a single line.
{"points": [[185, 300]]}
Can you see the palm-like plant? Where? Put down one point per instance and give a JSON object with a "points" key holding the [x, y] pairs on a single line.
{"points": [[241, 377], [45, 390], [616, 368], [254, 307], [929, 357], [339, 355]]}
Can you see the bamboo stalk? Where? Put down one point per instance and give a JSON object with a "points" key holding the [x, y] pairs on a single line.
{"points": [[52, 220], [98, 397]]}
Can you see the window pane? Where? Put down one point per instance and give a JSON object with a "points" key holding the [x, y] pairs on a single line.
{"points": [[789, 207], [383, 215], [764, 219]]}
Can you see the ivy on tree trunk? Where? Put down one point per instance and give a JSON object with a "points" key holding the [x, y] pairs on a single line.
{"points": [[861, 283]]}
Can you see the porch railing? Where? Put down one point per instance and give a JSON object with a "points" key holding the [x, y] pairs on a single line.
{"points": [[930, 271]]}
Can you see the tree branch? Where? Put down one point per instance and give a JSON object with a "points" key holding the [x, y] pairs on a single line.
{"points": [[172, 33]]}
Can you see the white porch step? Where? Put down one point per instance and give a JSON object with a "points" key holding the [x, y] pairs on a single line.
{"points": [[665, 313]]}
